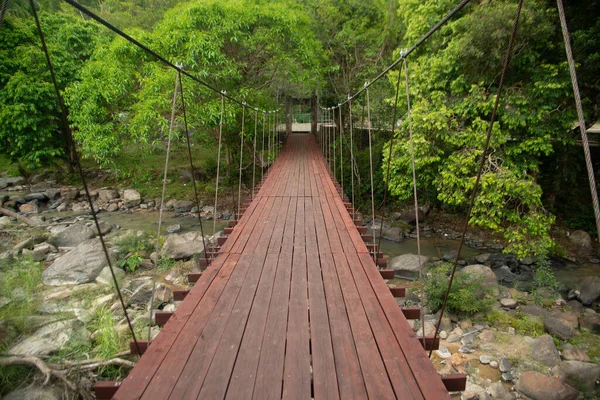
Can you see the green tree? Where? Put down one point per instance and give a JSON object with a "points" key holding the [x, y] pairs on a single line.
{"points": [[453, 84]]}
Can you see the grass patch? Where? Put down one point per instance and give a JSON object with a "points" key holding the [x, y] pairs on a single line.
{"points": [[466, 298], [590, 342], [523, 324], [8, 167]]}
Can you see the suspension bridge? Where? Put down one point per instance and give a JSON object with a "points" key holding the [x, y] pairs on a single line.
{"points": [[292, 303]]}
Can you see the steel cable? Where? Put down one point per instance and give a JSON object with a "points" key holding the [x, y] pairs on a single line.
{"points": [[218, 166]]}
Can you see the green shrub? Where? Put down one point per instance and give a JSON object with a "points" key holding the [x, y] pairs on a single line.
{"points": [[465, 297], [523, 324]]}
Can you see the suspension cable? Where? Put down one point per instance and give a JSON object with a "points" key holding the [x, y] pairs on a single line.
{"points": [[416, 199], [507, 57], [341, 152], [3, 9], [580, 116], [77, 161], [161, 205], [371, 168], [241, 160], [254, 153], [389, 163], [262, 158], [351, 160], [189, 147], [218, 165]]}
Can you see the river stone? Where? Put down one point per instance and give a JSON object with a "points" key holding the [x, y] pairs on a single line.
{"points": [[589, 289], [575, 306], [538, 386], [579, 374], [40, 251], [407, 264], [131, 198], [51, 338], [12, 181], [5, 221], [29, 208], [485, 274], [572, 353], [505, 275], [174, 228], [72, 236], [556, 327], [582, 242], [393, 234], [485, 359], [35, 196], [106, 195], [34, 393], [183, 246], [505, 365], [590, 322], [105, 276], [509, 303], [182, 206], [499, 392], [143, 294], [81, 265], [544, 350]]}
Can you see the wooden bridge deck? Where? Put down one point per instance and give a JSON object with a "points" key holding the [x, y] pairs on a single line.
{"points": [[293, 307]]}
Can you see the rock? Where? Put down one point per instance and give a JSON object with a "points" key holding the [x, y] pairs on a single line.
{"points": [[51, 338], [408, 216], [589, 289], [578, 374], [572, 353], [69, 194], [556, 327], [505, 275], [182, 206], [443, 352], [12, 181], [469, 339], [407, 264], [482, 258], [485, 359], [582, 242], [499, 392], [453, 338], [28, 243], [106, 195], [105, 277], [35, 196], [575, 306], [429, 330], [507, 377], [40, 251], [485, 275], [174, 228], [72, 236], [52, 194], [532, 310], [183, 246], [505, 365], [5, 221], [81, 265], [494, 364], [568, 318], [538, 386], [590, 322], [34, 393], [487, 336], [450, 255], [509, 303], [131, 198], [393, 234], [29, 208], [112, 207], [544, 350], [443, 335], [474, 392], [143, 294]]}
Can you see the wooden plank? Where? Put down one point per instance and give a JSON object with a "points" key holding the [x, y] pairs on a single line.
{"points": [[455, 382], [243, 377], [348, 368], [323, 362], [269, 376], [287, 244], [161, 317], [373, 369], [136, 382], [277, 237], [296, 383], [422, 369], [105, 390]]}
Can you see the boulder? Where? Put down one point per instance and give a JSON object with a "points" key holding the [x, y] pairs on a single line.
{"points": [[12, 181], [35, 393], [579, 374], [131, 198], [40, 251], [182, 206], [558, 328], [35, 196], [589, 289], [392, 234], [29, 208], [105, 276], [106, 195], [538, 386], [483, 274], [142, 295], [183, 246], [52, 194], [572, 353], [499, 392], [509, 303], [72, 236], [408, 216], [575, 306], [174, 228], [81, 265], [544, 350], [407, 264], [51, 338], [590, 322], [582, 242]]}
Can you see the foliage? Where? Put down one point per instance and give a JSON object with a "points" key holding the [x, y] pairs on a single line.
{"points": [[465, 296], [133, 246], [453, 85], [31, 132], [523, 324]]}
